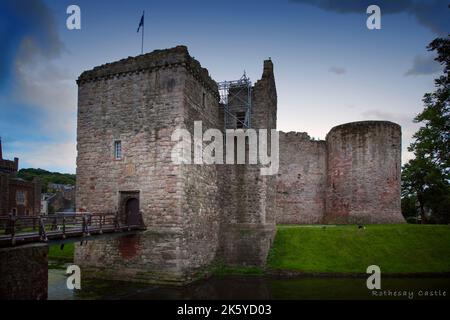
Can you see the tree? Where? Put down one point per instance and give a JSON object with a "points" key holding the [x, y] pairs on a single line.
{"points": [[423, 184], [47, 177], [433, 139], [426, 178]]}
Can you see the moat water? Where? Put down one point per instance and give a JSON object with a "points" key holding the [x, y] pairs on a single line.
{"points": [[250, 287]]}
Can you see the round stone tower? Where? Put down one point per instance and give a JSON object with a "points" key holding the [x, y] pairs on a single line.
{"points": [[363, 174]]}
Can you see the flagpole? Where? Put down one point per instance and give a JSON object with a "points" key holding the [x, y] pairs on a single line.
{"points": [[143, 28]]}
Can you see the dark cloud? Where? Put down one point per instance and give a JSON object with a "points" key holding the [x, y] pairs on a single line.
{"points": [[42, 24], [432, 14], [338, 70], [423, 65], [29, 64], [26, 19]]}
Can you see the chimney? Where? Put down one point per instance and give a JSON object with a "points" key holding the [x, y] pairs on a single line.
{"points": [[268, 68], [1, 153], [16, 164]]}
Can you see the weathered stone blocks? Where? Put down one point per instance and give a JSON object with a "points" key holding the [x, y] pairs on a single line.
{"points": [[301, 180], [364, 172], [24, 273], [139, 102], [352, 177]]}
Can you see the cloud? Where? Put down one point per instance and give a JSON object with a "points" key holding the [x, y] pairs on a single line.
{"points": [[31, 19], [338, 70], [432, 14], [401, 118], [38, 23], [58, 156], [31, 35], [406, 122], [42, 84], [38, 84], [424, 65]]}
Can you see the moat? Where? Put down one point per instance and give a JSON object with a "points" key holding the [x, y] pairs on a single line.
{"points": [[248, 287]]}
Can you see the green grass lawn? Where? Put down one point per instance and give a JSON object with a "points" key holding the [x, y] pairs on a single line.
{"points": [[65, 255], [404, 248]]}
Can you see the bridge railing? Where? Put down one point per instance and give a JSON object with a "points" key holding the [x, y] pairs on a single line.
{"points": [[59, 225]]}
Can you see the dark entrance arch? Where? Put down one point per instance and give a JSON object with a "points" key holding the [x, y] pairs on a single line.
{"points": [[132, 211]]}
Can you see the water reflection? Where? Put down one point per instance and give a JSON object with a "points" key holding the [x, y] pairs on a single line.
{"points": [[251, 287]]}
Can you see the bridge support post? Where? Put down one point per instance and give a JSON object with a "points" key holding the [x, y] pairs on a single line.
{"points": [[116, 222], [42, 232], [12, 226], [102, 217], [64, 227], [85, 227]]}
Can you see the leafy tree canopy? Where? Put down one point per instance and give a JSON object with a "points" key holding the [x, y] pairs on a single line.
{"points": [[426, 178], [47, 177]]}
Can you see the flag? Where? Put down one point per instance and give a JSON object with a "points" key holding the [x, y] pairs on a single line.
{"points": [[141, 24]]}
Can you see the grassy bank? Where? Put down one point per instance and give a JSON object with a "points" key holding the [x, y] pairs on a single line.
{"points": [[402, 248], [66, 255]]}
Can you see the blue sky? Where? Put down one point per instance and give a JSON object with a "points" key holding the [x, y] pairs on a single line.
{"points": [[330, 69]]}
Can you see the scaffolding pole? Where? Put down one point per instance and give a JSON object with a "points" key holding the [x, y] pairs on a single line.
{"points": [[236, 98]]}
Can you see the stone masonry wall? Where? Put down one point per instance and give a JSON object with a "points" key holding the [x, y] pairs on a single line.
{"points": [[364, 168], [23, 272], [352, 177], [199, 204], [264, 116], [301, 180], [248, 198], [140, 101]]}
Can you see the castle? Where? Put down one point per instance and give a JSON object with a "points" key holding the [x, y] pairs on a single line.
{"points": [[197, 215]]}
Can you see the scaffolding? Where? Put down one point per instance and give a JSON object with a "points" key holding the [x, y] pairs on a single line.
{"points": [[236, 99]]}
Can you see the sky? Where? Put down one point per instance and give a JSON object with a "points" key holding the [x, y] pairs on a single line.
{"points": [[329, 67]]}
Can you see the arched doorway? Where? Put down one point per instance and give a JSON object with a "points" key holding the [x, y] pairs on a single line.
{"points": [[132, 211]]}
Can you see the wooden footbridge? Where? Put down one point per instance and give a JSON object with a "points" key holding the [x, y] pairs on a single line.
{"points": [[18, 230]]}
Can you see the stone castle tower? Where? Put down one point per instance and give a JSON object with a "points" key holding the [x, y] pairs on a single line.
{"points": [[353, 177], [194, 214], [197, 215]]}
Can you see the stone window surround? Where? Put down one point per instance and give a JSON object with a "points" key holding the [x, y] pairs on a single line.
{"points": [[118, 151]]}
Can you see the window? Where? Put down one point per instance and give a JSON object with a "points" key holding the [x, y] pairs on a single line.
{"points": [[240, 120], [118, 150], [20, 198]]}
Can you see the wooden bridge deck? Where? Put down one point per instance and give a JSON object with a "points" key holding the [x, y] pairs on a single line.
{"points": [[24, 230]]}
